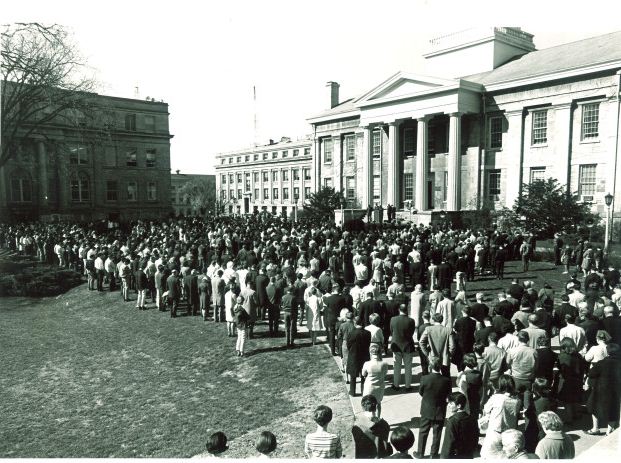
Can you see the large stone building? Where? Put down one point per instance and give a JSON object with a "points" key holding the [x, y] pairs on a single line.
{"points": [[275, 178], [500, 114], [115, 166], [182, 204]]}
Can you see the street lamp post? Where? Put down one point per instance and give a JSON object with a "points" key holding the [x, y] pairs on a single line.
{"points": [[608, 199]]}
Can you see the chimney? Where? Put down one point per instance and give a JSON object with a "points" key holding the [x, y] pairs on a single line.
{"points": [[177, 171], [333, 91]]}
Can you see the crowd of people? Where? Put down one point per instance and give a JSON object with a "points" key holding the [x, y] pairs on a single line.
{"points": [[388, 290]]}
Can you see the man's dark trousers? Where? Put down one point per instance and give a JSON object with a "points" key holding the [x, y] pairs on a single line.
{"points": [[425, 426], [290, 328], [331, 329], [100, 279], [352, 383], [273, 315]]}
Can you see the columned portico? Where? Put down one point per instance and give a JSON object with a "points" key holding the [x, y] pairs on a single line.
{"points": [[421, 201], [453, 200], [367, 168], [393, 164]]}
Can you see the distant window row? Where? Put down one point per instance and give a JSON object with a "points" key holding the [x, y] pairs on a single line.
{"points": [[79, 155], [148, 123], [265, 176], [263, 156], [264, 194]]}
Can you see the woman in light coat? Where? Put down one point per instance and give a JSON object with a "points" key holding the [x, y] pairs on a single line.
{"points": [[313, 319]]}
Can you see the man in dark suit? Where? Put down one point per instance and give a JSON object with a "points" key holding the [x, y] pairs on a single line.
{"points": [[173, 286], [444, 276], [289, 308], [464, 328], [402, 330], [333, 304], [462, 430], [366, 308], [261, 282], [391, 309], [358, 343], [434, 389], [479, 310], [325, 282], [501, 257], [190, 282], [424, 361], [505, 307]]}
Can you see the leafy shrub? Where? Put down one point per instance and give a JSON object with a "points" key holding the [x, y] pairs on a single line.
{"points": [[39, 283]]}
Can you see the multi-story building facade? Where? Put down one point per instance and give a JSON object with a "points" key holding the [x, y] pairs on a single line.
{"points": [[115, 167], [502, 114], [181, 204], [275, 178]]}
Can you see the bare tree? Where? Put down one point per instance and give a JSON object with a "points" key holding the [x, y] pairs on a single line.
{"points": [[43, 80], [200, 194]]}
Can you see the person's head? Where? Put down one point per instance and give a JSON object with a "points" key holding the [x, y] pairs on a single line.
{"points": [[403, 309], [523, 337], [541, 387], [492, 338], [550, 421], [568, 346], [470, 360], [603, 337], [506, 385], [357, 320], [543, 341], [402, 439], [436, 364], [374, 319], [478, 348], [322, 415], [217, 443], [512, 442], [418, 288], [369, 403], [457, 401], [438, 318], [426, 316], [533, 318], [466, 310], [375, 351], [266, 443], [479, 297], [608, 311]]}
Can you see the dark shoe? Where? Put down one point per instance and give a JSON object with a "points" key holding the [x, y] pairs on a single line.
{"points": [[418, 455], [590, 432], [395, 388], [409, 389]]}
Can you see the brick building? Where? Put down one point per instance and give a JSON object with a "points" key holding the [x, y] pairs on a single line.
{"points": [[275, 178], [115, 166], [500, 114]]}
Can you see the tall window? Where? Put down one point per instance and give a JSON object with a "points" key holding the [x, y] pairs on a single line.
{"points": [[431, 139], [408, 187], [307, 191], [590, 121], [223, 179], [266, 176], [231, 194], [376, 187], [256, 193], [223, 194], [231, 178], [296, 174], [112, 190], [21, 189], [130, 157], [296, 193], [327, 150], [255, 176], [376, 141], [150, 157], [130, 122], [409, 141], [239, 177], [495, 132], [537, 173], [586, 186], [350, 188], [540, 127], [77, 155], [307, 175], [285, 193], [132, 191], [266, 193], [285, 175], [247, 182], [80, 188], [149, 123], [274, 176], [151, 191], [493, 178], [239, 194], [327, 182], [350, 147], [274, 193]]}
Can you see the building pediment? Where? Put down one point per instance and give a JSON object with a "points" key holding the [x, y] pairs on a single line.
{"points": [[404, 85]]}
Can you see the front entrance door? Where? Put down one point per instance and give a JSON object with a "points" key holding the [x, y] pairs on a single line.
{"points": [[430, 194], [246, 205]]}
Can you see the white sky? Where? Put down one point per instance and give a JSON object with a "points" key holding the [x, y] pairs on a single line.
{"points": [[204, 58]]}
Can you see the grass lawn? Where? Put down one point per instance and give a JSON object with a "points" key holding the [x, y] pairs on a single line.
{"points": [[86, 375]]}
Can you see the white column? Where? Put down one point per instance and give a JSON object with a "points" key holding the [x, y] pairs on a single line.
{"points": [[316, 169], [366, 184], [43, 187], [421, 164], [393, 164], [561, 169], [453, 202]]}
